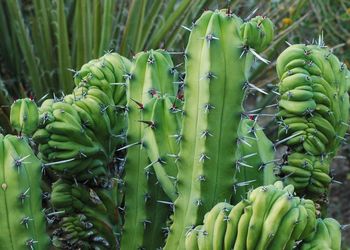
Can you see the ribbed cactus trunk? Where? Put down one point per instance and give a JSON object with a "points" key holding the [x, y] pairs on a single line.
{"points": [[22, 219], [150, 84], [218, 60]]}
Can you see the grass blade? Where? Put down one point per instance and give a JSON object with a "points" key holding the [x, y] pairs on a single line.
{"points": [[64, 59]]}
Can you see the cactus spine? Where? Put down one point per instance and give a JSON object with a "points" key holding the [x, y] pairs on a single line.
{"points": [[22, 219], [212, 110]]}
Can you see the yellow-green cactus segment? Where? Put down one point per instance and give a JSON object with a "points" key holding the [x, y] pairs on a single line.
{"points": [[23, 221], [271, 218], [24, 116], [327, 236], [307, 173], [217, 66], [255, 159], [257, 33], [150, 78]]}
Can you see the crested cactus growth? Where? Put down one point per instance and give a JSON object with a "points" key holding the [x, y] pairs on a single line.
{"points": [[313, 114], [22, 219], [327, 236], [67, 142], [96, 226], [150, 87], [24, 116], [108, 73], [257, 33], [109, 70], [218, 60], [255, 159], [307, 172], [77, 138], [270, 218]]}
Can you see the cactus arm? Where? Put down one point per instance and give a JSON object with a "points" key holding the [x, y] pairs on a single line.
{"points": [[255, 157], [135, 178], [183, 203], [158, 147], [151, 79]]}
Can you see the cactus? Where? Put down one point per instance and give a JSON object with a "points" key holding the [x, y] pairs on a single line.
{"points": [[200, 174], [68, 144], [270, 218], [22, 219], [327, 236], [217, 66], [109, 73], [24, 116], [110, 70], [161, 146], [313, 114], [255, 159], [77, 137], [98, 209], [150, 85]]}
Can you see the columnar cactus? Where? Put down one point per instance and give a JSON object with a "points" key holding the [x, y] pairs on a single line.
{"points": [[218, 58], [270, 218], [24, 116], [151, 88], [313, 114], [22, 218]]}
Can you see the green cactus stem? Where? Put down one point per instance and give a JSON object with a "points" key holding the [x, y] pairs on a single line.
{"points": [[152, 76], [23, 221], [255, 159]]}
